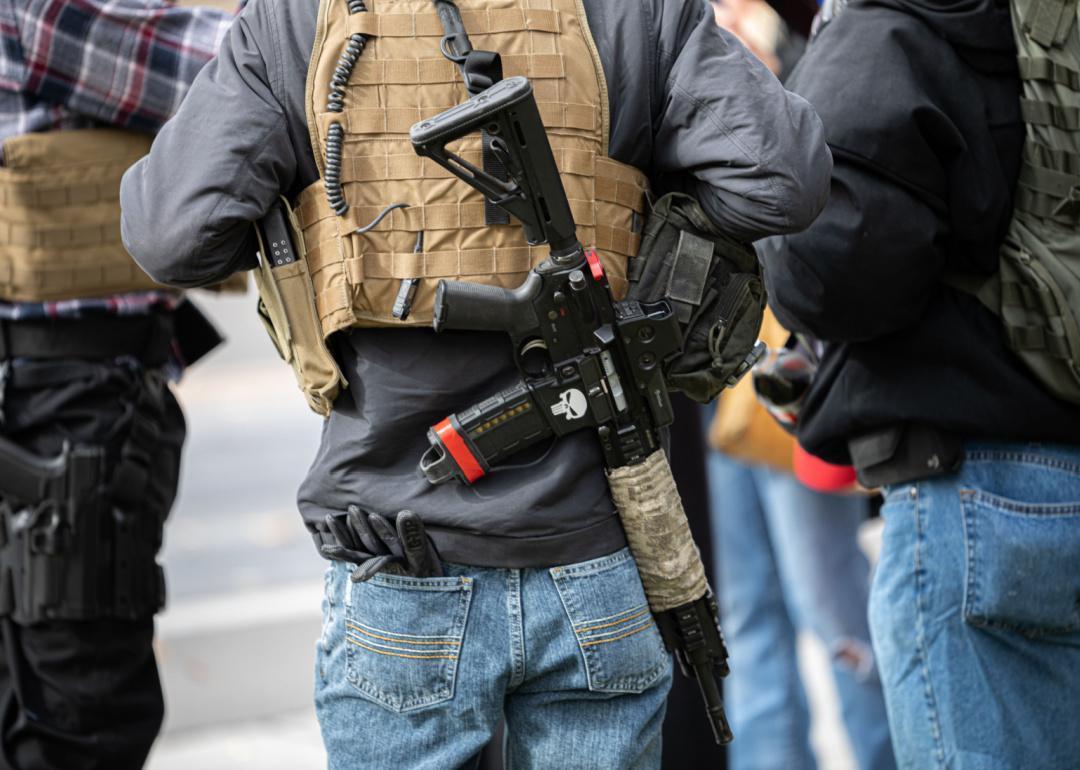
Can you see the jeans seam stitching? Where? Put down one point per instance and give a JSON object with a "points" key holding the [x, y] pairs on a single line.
{"points": [[517, 632], [1020, 508], [591, 642], [920, 639], [567, 600], [971, 597], [600, 564], [1024, 458]]}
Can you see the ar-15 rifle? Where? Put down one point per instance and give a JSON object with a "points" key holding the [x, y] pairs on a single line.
{"points": [[586, 360]]}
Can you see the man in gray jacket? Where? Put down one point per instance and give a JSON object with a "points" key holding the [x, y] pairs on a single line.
{"points": [[415, 671]]}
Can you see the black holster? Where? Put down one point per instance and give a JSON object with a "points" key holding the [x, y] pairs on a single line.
{"points": [[902, 453], [67, 551]]}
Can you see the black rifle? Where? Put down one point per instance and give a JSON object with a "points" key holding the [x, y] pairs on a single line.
{"points": [[586, 360]]}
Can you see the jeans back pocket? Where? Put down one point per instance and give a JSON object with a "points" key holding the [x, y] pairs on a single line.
{"points": [[404, 637], [1023, 564], [612, 623]]}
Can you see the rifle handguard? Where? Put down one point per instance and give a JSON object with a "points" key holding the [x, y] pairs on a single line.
{"points": [[658, 532]]}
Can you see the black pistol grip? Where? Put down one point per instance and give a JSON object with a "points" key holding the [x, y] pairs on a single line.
{"points": [[468, 306], [27, 478]]}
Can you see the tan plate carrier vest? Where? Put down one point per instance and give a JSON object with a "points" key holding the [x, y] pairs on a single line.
{"points": [[401, 78], [60, 217]]}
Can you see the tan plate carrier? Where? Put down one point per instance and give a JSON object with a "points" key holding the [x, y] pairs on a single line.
{"points": [[60, 216], [401, 78]]}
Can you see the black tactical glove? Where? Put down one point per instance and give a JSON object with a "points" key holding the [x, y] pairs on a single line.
{"points": [[368, 540]]}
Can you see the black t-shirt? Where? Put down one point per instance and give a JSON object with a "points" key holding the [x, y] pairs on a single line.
{"points": [[547, 505]]}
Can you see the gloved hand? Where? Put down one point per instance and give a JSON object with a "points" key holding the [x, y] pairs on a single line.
{"points": [[368, 540], [781, 381]]}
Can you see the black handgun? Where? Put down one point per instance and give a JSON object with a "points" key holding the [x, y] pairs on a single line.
{"points": [[39, 498], [586, 360], [26, 479]]}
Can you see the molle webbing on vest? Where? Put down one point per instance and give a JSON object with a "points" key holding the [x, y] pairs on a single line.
{"points": [[1037, 289], [60, 215], [402, 77], [1048, 41]]}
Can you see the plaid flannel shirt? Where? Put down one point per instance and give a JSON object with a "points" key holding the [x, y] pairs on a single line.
{"points": [[85, 63]]}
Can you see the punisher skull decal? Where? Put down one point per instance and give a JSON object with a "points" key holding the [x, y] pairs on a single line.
{"points": [[572, 403]]}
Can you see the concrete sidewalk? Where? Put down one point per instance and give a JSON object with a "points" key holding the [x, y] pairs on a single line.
{"points": [[237, 671], [285, 742]]}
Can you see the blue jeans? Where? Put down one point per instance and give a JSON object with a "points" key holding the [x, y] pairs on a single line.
{"points": [[975, 611], [787, 559], [416, 673]]}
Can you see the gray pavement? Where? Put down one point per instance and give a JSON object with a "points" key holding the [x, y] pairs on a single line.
{"points": [[236, 641], [237, 670], [288, 741], [251, 439]]}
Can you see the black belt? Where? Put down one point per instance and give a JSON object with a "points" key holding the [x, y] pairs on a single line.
{"points": [[147, 338], [320, 534]]}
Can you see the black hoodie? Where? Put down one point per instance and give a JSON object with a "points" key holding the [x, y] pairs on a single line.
{"points": [[920, 101]]}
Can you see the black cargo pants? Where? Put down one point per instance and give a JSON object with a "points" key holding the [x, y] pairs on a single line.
{"points": [[82, 695]]}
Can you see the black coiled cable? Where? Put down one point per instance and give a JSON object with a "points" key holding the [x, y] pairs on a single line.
{"points": [[335, 133]]}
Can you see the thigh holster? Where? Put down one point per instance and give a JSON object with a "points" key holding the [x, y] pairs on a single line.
{"points": [[67, 549]]}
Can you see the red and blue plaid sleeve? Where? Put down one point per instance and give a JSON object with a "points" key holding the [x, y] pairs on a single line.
{"points": [[127, 63]]}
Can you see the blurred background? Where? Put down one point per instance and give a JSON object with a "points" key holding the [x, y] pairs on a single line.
{"points": [[236, 641]]}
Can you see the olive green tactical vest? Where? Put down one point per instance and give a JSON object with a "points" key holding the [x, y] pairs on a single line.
{"points": [[1036, 291], [401, 77]]}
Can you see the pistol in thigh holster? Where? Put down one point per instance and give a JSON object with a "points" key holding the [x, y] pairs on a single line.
{"points": [[66, 551]]}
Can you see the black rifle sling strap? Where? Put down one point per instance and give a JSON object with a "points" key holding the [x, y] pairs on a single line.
{"points": [[480, 70]]}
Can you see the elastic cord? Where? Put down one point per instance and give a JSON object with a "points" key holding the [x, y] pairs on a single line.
{"points": [[335, 133]]}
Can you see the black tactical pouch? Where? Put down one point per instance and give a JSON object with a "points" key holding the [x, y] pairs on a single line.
{"points": [[714, 285]]}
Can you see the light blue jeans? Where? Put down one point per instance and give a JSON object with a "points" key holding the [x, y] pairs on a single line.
{"points": [[975, 611], [787, 560], [416, 673]]}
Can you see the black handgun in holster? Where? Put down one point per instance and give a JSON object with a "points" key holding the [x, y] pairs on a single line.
{"points": [[586, 361], [65, 552]]}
